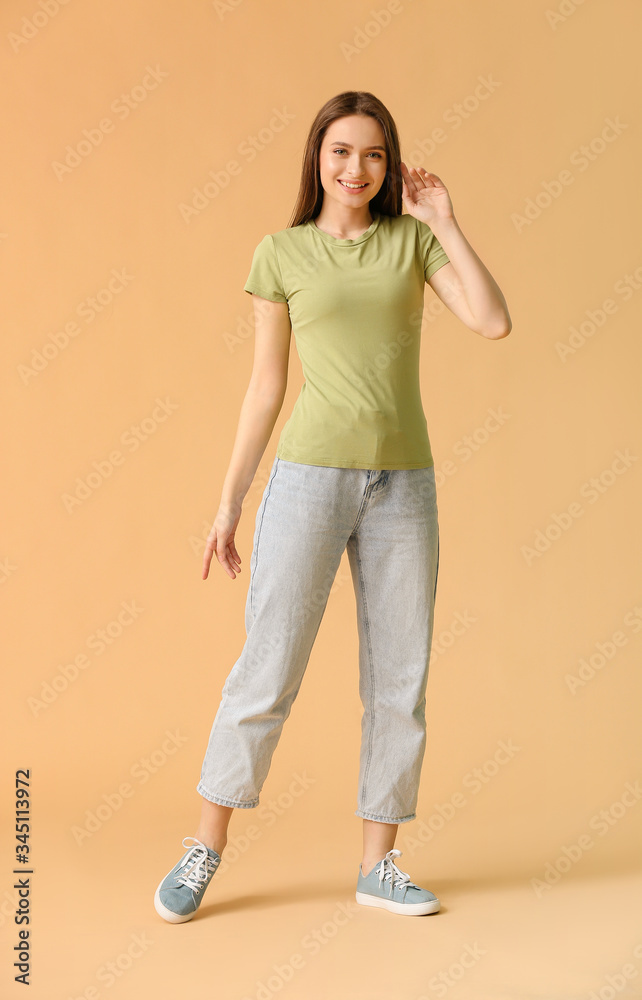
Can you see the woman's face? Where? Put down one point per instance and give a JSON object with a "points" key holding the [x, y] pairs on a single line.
{"points": [[353, 150]]}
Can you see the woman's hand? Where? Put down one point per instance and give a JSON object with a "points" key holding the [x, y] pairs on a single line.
{"points": [[221, 541], [425, 196]]}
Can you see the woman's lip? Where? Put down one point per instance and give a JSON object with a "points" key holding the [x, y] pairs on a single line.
{"points": [[363, 184]]}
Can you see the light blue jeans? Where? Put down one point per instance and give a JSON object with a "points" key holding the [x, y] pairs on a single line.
{"points": [[308, 515]]}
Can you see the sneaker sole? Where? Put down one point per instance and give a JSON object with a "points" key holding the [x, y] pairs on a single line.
{"points": [[169, 915], [410, 909]]}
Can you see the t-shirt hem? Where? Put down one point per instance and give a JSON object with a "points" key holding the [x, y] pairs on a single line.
{"points": [[356, 463], [264, 293], [435, 265]]}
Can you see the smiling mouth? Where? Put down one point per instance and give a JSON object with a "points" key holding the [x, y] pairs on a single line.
{"points": [[352, 187]]}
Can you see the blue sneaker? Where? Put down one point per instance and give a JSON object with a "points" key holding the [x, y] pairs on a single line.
{"points": [[179, 895], [387, 886]]}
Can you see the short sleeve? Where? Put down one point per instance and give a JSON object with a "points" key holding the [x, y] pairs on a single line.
{"points": [[433, 254], [265, 275]]}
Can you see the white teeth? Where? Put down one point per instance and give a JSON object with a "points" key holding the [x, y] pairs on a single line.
{"points": [[347, 184]]}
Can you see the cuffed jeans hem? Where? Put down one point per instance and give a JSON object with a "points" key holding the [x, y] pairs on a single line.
{"points": [[384, 819], [221, 801]]}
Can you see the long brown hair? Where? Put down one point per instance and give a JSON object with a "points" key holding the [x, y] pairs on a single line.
{"points": [[387, 200]]}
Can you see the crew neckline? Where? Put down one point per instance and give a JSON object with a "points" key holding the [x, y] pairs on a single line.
{"points": [[348, 243]]}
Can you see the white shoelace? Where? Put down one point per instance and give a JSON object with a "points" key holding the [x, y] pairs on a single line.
{"points": [[196, 867], [389, 872]]}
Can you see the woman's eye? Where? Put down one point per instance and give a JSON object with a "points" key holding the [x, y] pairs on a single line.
{"points": [[378, 155]]}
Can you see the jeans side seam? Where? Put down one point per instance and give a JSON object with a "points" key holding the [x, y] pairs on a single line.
{"points": [[258, 537], [434, 596], [370, 708]]}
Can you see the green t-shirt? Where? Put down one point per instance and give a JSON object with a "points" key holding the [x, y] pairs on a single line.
{"points": [[355, 308]]}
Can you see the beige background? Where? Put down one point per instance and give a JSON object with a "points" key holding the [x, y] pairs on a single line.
{"points": [[179, 329]]}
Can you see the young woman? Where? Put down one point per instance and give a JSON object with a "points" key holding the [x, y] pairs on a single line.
{"points": [[353, 469]]}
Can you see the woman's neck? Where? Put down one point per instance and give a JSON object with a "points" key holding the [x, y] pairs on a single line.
{"points": [[344, 225]]}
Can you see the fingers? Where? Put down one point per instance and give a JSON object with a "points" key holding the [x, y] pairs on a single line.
{"points": [[422, 176], [211, 549], [229, 557], [432, 180], [207, 558], [230, 566], [228, 561], [407, 177], [418, 177], [225, 553], [220, 542]]}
